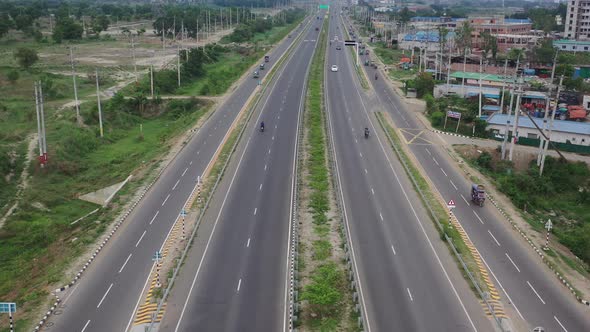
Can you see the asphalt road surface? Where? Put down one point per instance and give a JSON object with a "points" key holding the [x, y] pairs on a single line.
{"points": [[534, 293], [409, 281], [235, 276], [108, 293]]}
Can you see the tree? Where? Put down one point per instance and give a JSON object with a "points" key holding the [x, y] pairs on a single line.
{"points": [[424, 84], [463, 36], [405, 15], [13, 76], [489, 44], [442, 37], [100, 24], [516, 53], [26, 57], [545, 52], [23, 22], [5, 24], [67, 29]]}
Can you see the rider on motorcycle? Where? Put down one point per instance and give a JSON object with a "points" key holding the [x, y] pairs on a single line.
{"points": [[366, 132], [262, 126], [375, 76]]}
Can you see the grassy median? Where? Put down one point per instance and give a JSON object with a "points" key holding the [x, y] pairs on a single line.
{"points": [[326, 301]]}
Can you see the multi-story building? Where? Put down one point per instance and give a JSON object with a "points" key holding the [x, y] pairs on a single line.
{"points": [[577, 20]]}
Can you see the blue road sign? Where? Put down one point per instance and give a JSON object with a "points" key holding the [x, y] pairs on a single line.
{"points": [[6, 307]]}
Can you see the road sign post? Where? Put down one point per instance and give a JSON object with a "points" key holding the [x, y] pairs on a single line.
{"points": [[548, 227], [451, 204], [157, 257], [8, 307]]}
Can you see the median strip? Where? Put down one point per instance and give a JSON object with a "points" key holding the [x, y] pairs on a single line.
{"points": [[326, 300]]}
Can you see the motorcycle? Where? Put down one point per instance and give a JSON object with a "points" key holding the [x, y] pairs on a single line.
{"points": [[366, 132], [375, 77]]}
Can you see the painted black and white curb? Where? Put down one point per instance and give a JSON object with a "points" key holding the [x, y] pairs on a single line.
{"points": [[539, 252], [116, 226], [450, 134]]}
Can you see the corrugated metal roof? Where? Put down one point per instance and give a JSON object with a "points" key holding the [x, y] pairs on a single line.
{"points": [[582, 128]]}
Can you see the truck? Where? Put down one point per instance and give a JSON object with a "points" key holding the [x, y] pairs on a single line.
{"points": [[266, 58], [571, 112]]}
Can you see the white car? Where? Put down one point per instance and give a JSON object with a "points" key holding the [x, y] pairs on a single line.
{"points": [[334, 68]]}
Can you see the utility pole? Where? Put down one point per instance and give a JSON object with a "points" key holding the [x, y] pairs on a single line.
{"points": [[152, 80], [516, 117], [550, 128], [503, 86], [163, 37], [43, 133], [178, 63], [464, 65], [99, 106], [78, 119], [480, 86], [134, 61], [542, 139], [449, 71], [39, 132]]}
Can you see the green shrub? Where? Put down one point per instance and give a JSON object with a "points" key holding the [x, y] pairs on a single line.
{"points": [[437, 118], [323, 292]]}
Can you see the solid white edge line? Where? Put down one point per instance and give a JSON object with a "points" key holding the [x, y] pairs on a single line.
{"points": [[493, 237], [63, 302], [85, 326], [497, 280], [123, 266], [414, 211], [142, 235], [361, 296], [293, 187], [511, 261], [558, 322], [539, 296], [104, 296]]}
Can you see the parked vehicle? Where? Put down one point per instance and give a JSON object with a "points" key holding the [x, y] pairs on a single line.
{"points": [[266, 58], [572, 112], [478, 194]]}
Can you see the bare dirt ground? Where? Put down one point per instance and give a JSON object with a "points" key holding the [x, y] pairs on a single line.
{"points": [[24, 176]]}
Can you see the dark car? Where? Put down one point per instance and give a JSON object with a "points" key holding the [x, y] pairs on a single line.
{"points": [[338, 47]]}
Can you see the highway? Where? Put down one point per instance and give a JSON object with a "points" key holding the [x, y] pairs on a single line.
{"points": [[408, 279], [106, 296], [535, 295], [235, 276]]}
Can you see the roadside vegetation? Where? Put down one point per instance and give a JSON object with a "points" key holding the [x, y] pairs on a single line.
{"points": [[325, 297], [562, 194]]}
